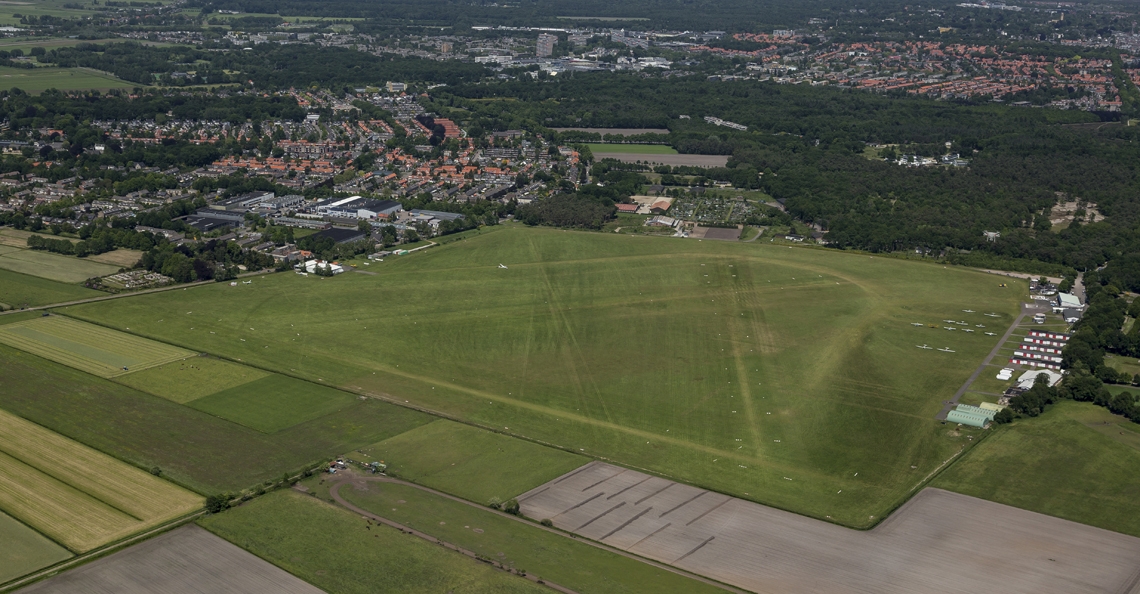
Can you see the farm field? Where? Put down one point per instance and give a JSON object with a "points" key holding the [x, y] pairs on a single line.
{"points": [[468, 462], [183, 381], [87, 347], [122, 258], [337, 551], [25, 550], [22, 290], [192, 448], [733, 367], [19, 238], [569, 563], [1076, 461], [77, 496], [65, 269], [274, 402], [38, 80], [641, 149], [186, 560]]}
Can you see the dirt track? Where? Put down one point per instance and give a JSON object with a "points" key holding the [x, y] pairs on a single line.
{"points": [[939, 542], [188, 560]]}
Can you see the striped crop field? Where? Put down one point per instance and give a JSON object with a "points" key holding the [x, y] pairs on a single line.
{"points": [[75, 495], [87, 347]]}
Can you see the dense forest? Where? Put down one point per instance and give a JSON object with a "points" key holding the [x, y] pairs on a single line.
{"points": [[811, 149]]}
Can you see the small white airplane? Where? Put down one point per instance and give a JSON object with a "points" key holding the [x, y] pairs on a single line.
{"points": [[949, 328], [923, 346], [991, 334], [992, 315], [981, 326], [503, 267], [949, 321], [249, 282], [968, 310], [962, 323], [917, 324], [945, 350], [967, 330]]}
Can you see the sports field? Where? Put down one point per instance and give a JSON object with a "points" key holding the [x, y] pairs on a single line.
{"points": [[87, 347], [38, 80], [193, 448], [77, 496], [22, 290], [65, 269], [784, 375], [274, 402], [1076, 461], [340, 553], [25, 550], [468, 462]]}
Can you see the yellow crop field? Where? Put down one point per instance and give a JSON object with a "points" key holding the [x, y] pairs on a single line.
{"points": [[75, 495], [87, 347]]}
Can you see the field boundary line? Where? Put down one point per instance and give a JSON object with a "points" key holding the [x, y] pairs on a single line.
{"points": [[103, 551], [564, 534]]}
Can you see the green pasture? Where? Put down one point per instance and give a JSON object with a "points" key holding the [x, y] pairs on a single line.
{"points": [[65, 269], [770, 372], [274, 402], [22, 290], [190, 379], [472, 463], [87, 347], [38, 80], [193, 448], [1076, 461], [640, 149], [25, 550], [562, 560], [340, 553]]}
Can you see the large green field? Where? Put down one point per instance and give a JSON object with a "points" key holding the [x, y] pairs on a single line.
{"points": [[640, 149], [274, 402], [65, 269], [340, 553], [1076, 461], [564, 561], [777, 374], [203, 452], [25, 550], [22, 290], [38, 80], [472, 463]]}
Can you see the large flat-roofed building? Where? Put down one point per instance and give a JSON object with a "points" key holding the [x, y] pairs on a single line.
{"points": [[358, 207], [340, 235]]}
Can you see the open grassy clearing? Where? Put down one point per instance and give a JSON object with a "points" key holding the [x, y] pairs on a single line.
{"points": [[195, 449], [21, 290], [38, 80], [25, 550], [640, 149], [122, 258], [1123, 364], [185, 380], [79, 497], [562, 560], [340, 553], [65, 269], [87, 347], [729, 366], [468, 462], [274, 402], [1076, 461], [19, 238]]}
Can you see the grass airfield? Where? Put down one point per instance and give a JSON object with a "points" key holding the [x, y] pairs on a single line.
{"points": [[785, 376]]}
